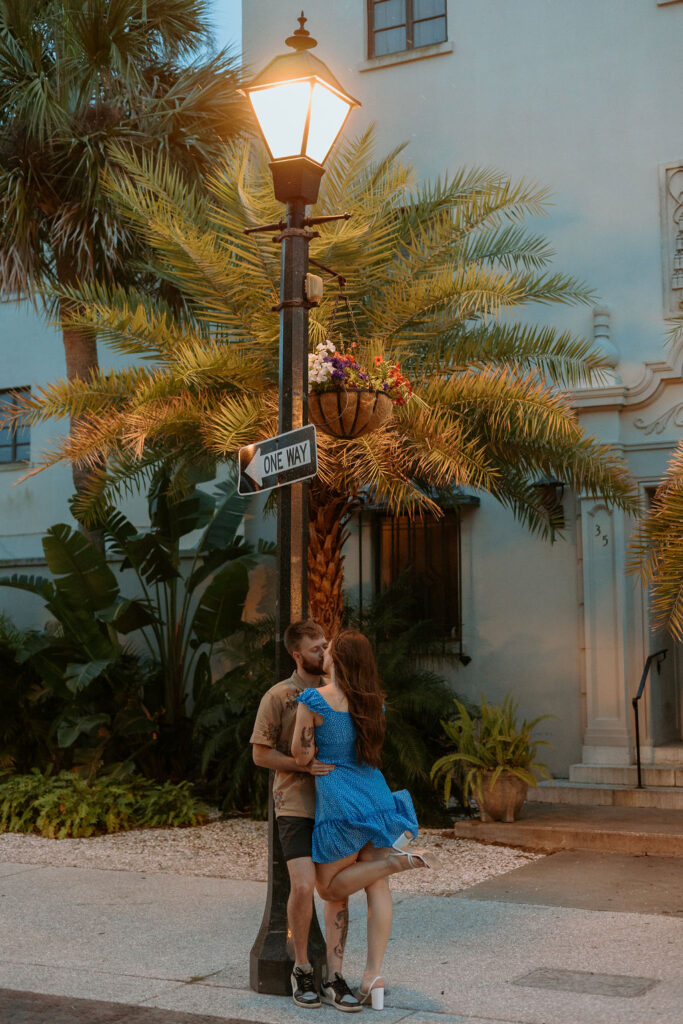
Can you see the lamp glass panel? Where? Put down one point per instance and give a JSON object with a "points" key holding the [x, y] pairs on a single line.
{"points": [[281, 113], [328, 113]]}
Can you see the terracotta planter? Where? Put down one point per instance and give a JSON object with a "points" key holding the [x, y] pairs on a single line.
{"points": [[348, 414], [504, 801]]}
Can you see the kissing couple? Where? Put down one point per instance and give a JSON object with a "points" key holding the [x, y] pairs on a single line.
{"points": [[341, 828]]}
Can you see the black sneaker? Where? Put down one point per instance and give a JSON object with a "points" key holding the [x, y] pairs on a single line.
{"points": [[338, 994], [303, 989]]}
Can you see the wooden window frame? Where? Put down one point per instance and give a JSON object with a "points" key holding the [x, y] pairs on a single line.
{"points": [[450, 638], [14, 460], [408, 24]]}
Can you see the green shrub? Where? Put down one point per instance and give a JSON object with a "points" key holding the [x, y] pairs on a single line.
{"points": [[223, 718], [113, 701], [65, 805], [28, 707]]}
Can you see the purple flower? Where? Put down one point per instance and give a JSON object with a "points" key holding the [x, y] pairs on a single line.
{"points": [[337, 375]]}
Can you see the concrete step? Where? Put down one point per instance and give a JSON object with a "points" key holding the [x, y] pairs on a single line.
{"points": [[627, 775], [562, 791], [671, 754], [549, 828]]}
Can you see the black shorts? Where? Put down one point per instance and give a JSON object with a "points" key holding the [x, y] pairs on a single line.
{"points": [[296, 836]]}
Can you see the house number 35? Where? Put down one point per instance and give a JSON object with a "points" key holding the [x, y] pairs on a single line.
{"points": [[603, 536]]}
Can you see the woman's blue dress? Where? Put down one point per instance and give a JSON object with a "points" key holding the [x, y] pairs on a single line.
{"points": [[353, 804]]}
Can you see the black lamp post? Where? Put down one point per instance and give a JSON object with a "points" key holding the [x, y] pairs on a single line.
{"points": [[300, 108]]}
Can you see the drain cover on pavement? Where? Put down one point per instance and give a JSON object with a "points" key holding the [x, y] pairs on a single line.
{"points": [[585, 981]]}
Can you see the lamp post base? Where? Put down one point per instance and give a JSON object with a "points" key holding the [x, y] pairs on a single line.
{"points": [[270, 961]]}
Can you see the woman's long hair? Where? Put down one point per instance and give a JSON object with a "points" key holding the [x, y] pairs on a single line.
{"points": [[357, 677]]}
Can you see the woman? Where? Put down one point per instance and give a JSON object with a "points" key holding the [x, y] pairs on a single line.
{"points": [[361, 827]]}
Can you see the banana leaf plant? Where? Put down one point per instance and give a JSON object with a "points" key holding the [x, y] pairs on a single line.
{"points": [[175, 620]]}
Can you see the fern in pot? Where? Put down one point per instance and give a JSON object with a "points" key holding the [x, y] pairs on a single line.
{"points": [[496, 756]]}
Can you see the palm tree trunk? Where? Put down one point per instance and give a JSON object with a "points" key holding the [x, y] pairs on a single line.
{"points": [[80, 350], [328, 514]]}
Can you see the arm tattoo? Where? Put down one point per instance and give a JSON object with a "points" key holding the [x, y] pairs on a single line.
{"points": [[307, 737], [342, 923]]}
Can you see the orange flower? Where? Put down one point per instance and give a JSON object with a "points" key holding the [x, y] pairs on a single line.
{"points": [[378, 360]]}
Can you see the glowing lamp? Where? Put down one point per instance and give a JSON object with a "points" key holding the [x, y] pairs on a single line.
{"points": [[300, 108]]}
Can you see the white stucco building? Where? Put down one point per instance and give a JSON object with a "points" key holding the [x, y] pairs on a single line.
{"points": [[585, 98]]}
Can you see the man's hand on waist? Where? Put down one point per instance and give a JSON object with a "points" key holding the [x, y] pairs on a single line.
{"points": [[267, 757], [316, 767]]}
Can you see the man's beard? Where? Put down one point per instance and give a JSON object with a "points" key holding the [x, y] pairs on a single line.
{"points": [[314, 668]]}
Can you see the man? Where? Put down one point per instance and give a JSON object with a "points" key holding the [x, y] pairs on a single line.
{"points": [[294, 800]]}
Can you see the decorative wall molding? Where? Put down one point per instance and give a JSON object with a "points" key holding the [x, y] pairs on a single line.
{"points": [[671, 213], [673, 417], [655, 378]]}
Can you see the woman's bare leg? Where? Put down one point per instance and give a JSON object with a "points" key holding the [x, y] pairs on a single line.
{"points": [[380, 917], [325, 873], [343, 877]]}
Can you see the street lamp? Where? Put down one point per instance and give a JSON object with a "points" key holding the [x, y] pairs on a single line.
{"points": [[300, 108]]}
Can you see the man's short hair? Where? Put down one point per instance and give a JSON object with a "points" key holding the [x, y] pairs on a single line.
{"points": [[296, 631]]}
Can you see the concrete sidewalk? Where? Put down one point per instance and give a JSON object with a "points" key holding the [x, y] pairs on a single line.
{"points": [[535, 946]]}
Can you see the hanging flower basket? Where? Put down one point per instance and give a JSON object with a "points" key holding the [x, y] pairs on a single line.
{"points": [[345, 399], [347, 414]]}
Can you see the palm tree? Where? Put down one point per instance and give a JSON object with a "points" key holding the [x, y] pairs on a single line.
{"points": [[657, 550], [73, 78], [435, 274]]}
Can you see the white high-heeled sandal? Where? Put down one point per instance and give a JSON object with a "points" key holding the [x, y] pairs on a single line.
{"points": [[374, 995], [416, 857], [405, 839]]}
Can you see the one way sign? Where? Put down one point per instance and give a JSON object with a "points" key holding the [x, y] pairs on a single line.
{"points": [[279, 460]]}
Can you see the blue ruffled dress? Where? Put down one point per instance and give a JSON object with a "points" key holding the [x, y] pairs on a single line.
{"points": [[353, 804]]}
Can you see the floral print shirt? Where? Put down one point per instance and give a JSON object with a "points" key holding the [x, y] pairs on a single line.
{"points": [[293, 792]]}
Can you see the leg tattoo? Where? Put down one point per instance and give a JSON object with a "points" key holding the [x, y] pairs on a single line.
{"points": [[342, 924]]}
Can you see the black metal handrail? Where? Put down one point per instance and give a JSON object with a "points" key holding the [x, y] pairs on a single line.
{"points": [[659, 657]]}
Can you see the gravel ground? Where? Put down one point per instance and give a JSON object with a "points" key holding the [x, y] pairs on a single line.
{"points": [[237, 849]]}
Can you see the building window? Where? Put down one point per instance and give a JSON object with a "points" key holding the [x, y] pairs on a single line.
{"points": [[15, 442], [396, 25], [426, 553]]}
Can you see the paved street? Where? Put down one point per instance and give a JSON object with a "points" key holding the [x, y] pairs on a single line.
{"points": [[559, 941], [18, 1007]]}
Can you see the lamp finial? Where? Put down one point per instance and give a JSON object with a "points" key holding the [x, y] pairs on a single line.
{"points": [[302, 38]]}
